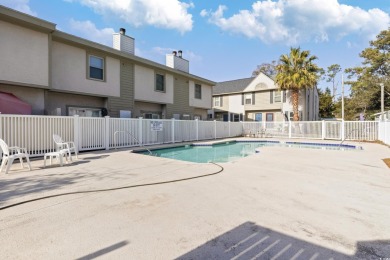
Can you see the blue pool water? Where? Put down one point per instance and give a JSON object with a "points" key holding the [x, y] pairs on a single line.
{"points": [[231, 151]]}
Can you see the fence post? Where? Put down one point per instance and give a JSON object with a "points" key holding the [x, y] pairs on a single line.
{"points": [[140, 122], [215, 129], [197, 129], [383, 130], [289, 129], [342, 130], [323, 127], [1, 125], [229, 129], [107, 124], [173, 129], [76, 131]]}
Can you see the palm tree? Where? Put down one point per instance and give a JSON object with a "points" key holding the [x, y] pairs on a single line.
{"points": [[296, 71]]}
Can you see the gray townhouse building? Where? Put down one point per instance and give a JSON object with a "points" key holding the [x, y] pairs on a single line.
{"points": [[56, 73]]}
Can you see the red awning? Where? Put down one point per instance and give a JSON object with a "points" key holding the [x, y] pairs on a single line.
{"points": [[10, 104]]}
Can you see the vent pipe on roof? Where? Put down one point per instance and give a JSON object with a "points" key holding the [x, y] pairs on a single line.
{"points": [[180, 53], [122, 31]]}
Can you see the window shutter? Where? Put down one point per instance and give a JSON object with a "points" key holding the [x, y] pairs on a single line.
{"points": [[221, 101], [242, 99], [253, 98], [271, 97], [284, 96]]}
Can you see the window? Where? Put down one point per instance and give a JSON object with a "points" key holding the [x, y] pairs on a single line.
{"points": [[270, 117], [96, 68], [259, 117], [217, 101], [290, 115], [248, 99], [151, 116], [160, 82], [277, 96], [85, 112], [198, 91]]}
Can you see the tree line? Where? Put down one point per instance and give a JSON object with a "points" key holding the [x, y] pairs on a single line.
{"points": [[297, 70]]}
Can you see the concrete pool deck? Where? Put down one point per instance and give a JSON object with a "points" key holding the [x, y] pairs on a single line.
{"points": [[281, 203]]}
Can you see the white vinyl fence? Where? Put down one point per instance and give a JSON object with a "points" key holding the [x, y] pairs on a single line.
{"points": [[331, 130], [89, 133], [384, 132]]}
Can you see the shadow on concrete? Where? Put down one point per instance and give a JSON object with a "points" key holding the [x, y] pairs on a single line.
{"points": [[250, 241], [104, 251], [65, 164], [96, 157], [15, 188], [18, 187]]}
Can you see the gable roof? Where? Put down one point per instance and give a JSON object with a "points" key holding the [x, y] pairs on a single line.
{"points": [[232, 86]]}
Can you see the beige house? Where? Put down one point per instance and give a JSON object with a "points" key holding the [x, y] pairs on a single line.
{"points": [[61, 74], [258, 99]]}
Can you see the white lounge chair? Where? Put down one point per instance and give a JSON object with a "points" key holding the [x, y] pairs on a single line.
{"points": [[68, 147], [12, 153]]}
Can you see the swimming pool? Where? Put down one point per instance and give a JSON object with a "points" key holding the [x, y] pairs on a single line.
{"points": [[231, 151]]}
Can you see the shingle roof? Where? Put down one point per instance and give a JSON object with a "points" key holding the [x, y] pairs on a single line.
{"points": [[231, 86]]}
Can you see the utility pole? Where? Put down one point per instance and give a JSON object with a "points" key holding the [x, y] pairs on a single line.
{"points": [[342, 96], [382, 101]]}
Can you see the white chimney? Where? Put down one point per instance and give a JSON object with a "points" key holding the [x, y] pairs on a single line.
{"points": [[122, 42], [176, 61]]}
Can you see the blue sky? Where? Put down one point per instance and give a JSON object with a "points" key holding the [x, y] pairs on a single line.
{"points": [[223, 39]]}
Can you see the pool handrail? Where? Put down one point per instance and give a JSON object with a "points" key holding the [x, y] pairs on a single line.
{"points": [[135, 139]]}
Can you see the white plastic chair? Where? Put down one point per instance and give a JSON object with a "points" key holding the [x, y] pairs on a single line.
{"points": [[68, 147], [12, 153]]}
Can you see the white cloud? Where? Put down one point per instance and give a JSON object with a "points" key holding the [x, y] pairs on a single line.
{"points": [[162, 51], [88, 30], [187, 54], [192, 56], [352, 45], [168, 14], [296, 21], [158, 54], [204, 13], [20, 5]]}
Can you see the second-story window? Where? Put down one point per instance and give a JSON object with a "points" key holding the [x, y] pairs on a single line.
{"points": [[96, 67], [277, 96], [198, 91], [217, 101], [248, 99], [160, 82]]}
